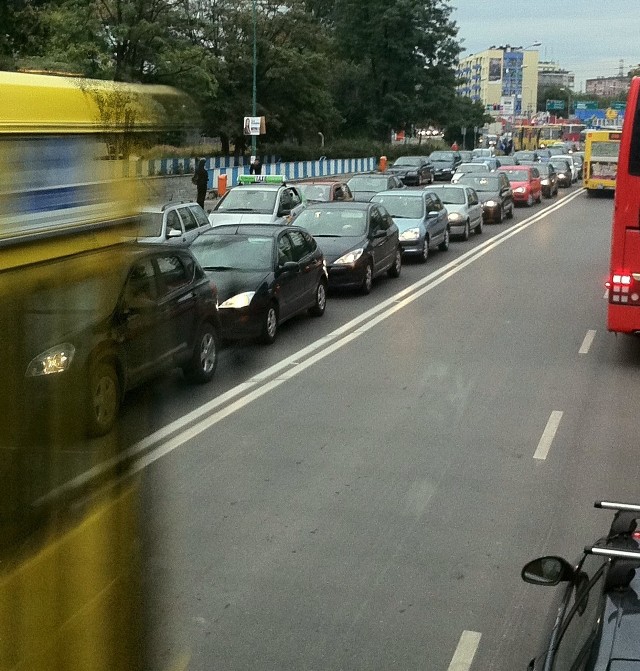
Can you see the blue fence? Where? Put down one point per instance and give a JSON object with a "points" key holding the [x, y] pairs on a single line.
{"points": [[222, 166]]}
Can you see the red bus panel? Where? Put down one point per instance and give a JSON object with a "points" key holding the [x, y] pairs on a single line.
{"points": [[623, 313]]}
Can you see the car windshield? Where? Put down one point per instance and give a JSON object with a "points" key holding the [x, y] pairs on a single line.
{"points": [[368, 183], [517, 175], [403, 207], [150, 225], [451, 196], [441, 156], [545, 168], [319, 192], [233, 252], [243, 199], [560, 164], [408, 160], [483, 183], [334, 223]]}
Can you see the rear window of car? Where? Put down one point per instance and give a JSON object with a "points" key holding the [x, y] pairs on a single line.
{"points": [[481, 183], [319, 192]]}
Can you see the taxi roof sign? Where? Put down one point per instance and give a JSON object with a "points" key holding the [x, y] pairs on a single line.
{"points": [[261, 179]]}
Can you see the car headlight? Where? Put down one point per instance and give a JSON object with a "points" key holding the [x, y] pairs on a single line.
{"points": [[562, 175], [239, 300], [455, 216], [410, 234], [491, 203], [55, 360], [412, 172], [349, 258], [520, 189], [544, 181]]}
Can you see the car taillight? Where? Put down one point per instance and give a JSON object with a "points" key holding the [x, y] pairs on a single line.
{"points": [[623, 288]]}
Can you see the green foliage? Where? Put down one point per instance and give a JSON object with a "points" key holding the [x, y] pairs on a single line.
{"points": [[342, 68]]}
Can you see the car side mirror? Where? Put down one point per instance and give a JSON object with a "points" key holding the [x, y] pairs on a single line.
{"points": [[548, 571], [433, 213], [379, 233], [174, 233], [289, 267]]}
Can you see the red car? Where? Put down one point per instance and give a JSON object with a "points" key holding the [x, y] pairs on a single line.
{"points": [[525, 183]]}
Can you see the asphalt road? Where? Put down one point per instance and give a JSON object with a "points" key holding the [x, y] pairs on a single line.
{"points": [[364, 493]]}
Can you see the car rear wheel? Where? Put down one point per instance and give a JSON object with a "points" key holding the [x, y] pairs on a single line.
{"points": [[396, 267], [367, 279], [270, 325], [444, 245], [103, 399], [204, 359], [321, 300]]}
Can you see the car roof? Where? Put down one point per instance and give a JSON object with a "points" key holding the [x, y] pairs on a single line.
{"points": [[166, 206], [350, 205], [401, 193], [266, 230], [260, 186]]}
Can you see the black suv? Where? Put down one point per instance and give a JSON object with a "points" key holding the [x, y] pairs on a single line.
{"points": [[85, 329], [594, 624]]}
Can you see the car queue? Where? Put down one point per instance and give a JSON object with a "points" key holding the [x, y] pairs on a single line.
{"points": [[263, 255]]}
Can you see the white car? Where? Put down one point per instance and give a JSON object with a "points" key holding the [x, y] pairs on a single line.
{"points": [[173, 223], [468, 167], [258, 199], [464, 208]]}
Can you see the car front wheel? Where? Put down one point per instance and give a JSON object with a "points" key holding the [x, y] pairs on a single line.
{"points": [[204, 359], [480, 227], [396, 267], [321, 300], [367, 279], [444, 245], [103, 399], [269, 325]]}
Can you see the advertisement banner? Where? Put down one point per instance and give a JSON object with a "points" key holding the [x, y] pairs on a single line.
{"points": [[254, 125], [495, 69]]}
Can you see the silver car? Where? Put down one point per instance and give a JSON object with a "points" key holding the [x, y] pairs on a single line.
{"points": [[173, 223], [464, 208]]}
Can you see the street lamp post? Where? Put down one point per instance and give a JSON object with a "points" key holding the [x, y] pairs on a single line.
{"points": [[253, 88]]}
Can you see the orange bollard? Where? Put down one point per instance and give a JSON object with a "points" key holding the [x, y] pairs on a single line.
{"points": [[222, 185], [382, 165]]}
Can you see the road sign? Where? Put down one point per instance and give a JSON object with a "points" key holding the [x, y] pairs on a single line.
{"points": [[618, 105], [611, 114], [555, 105], [463, 130], [586, 105]]}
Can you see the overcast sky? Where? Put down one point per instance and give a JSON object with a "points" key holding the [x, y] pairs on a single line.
{"points": [[587, 37]]}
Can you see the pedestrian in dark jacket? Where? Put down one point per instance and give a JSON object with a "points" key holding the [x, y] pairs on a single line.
{"points": [[256, 167], [201, 180]]}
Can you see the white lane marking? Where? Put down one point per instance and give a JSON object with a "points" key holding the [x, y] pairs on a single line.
{"points": [[465, 652], [168, 437], [548, 435], [586, 343]]}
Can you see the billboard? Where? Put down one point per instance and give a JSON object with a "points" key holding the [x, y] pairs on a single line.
{"points": [[254, 125], [495, 69]]}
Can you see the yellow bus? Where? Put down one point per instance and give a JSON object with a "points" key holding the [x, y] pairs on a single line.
{"points": [[601, 149], [70, 580]]}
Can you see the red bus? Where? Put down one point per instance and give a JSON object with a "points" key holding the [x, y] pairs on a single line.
{"points": [[623, 314]]}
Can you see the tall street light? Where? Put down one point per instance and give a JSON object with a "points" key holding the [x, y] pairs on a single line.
{"points": [[253, 88]]}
